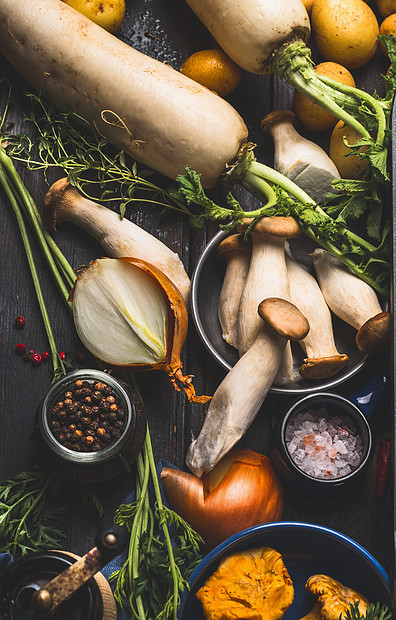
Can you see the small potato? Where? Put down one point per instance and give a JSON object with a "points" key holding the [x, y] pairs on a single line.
{"points": [[349, 167], [310, 114], [388, 26], [345, 31], [106, 13], [213, 69], [386, 7]]}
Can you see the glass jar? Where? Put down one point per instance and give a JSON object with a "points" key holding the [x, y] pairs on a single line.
{"points": [[101, 464]]}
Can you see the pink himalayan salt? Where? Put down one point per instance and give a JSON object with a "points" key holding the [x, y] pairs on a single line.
{"points": [[324, 446]]}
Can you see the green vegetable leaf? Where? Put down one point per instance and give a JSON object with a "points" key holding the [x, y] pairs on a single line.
{"points": [[374, 612]]}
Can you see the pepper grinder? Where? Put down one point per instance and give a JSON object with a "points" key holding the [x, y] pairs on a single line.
{"points": [[62, 586]]}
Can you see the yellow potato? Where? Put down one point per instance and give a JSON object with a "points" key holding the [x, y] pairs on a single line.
{"points": [[345, 31], [349, 167], [388, 26], [386, 7], [214, 69], [310, 114], [106, 13]]}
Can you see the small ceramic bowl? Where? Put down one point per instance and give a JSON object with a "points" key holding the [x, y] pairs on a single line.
{"points": [[356, 411], [306, 550], [107, 462], [206, 285]]}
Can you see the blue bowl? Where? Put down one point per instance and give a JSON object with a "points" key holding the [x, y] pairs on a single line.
{"points": [[306, 550]]}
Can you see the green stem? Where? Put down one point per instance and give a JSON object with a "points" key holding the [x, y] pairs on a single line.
{"points": [[252, 180], [57, 362], [293, 62], [172, 563], [31, 211], [143, 474]]}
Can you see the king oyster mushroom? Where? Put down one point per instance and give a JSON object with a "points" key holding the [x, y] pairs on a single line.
{"points": [[236, 250], [299, 159], [119, 237], [240, 395], [267, 277], [323, 359], [353, 301]]}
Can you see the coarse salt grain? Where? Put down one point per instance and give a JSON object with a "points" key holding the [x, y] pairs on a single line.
{"points": [[324, 446]]}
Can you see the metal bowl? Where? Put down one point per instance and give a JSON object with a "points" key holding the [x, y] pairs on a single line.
{"points": [[306, 550], [206, 285]]}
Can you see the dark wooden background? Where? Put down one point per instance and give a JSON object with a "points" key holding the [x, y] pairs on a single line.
{"points": [[170, 32]]}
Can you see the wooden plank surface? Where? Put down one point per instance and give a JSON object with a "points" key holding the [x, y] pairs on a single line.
{"points": [[169, 31]]}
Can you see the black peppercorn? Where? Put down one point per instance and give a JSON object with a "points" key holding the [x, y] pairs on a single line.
{"points": [[87, 417]]}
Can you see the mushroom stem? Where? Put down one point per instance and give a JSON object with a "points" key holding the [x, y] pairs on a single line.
{"points": [[300, 160], [236, 251], [353, 301], [323, 359], [119, 237], [267, 277], [240, 395]]}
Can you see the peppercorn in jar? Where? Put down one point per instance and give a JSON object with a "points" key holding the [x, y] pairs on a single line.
{"points": [[90, 426], [88, 416]]}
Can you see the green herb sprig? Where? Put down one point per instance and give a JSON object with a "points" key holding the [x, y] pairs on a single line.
{"points": [[67, 141], [370, 262], [29, 511], [374, 612], [154, 574]]}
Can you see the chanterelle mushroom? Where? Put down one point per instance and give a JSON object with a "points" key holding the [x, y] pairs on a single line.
{"points": [[240, 395], [118, 236], [353, 301], [249, 585], [334, 599], [236, 250]]}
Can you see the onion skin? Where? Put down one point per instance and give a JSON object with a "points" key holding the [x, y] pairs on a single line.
{"points": [[176, 330], [247, 495]]}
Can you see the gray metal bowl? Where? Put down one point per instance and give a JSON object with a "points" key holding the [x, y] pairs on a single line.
{"points": [[206, 284]]}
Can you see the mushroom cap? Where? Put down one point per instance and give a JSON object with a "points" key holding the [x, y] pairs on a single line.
{"points": [[277, 116], [374, 336], [284, 318], [51, 199], [275, 225], [323, 367], [234, 243]]}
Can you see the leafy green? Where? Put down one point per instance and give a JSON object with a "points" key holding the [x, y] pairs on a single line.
{"points": [[163, 550], [154, 581], [374, 612], [29, 511], [370, 262]]}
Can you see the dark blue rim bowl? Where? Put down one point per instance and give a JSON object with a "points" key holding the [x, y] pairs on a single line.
{"points": [[306, 549]]}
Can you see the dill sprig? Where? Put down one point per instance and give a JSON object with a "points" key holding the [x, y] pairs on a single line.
{"points": [[29, 511], [67, 141]]}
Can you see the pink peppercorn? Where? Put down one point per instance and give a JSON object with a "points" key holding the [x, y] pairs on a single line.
{"points": [[46, 355], [36, 358], [20, 348], [19, 322], [62, 355]]}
